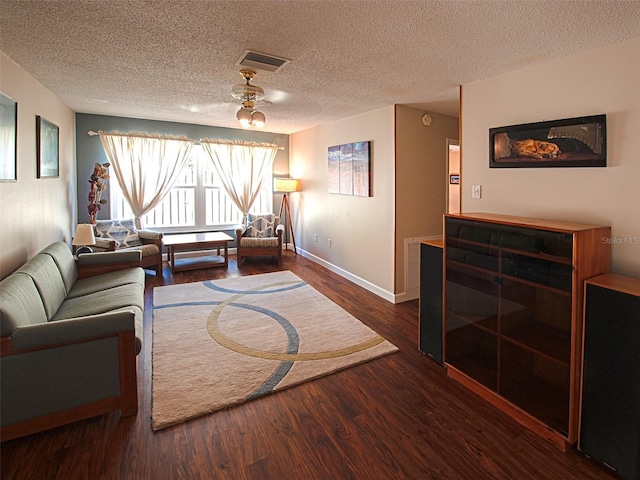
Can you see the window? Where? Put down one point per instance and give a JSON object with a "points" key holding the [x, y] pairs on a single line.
{"points": [[197, 200]]}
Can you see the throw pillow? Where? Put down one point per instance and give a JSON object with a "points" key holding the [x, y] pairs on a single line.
{"points": [[122, 231], [261, 225]]}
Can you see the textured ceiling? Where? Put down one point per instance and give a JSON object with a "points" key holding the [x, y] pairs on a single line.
{"points": [[175, 60]]}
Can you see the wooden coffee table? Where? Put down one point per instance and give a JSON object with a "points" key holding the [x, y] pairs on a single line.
{"points": [[205, 242]]}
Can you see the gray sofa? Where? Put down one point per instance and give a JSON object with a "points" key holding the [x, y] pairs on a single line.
{"points": [[69, 338]]}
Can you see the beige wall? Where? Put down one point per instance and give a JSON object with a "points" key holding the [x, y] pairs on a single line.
{"points": [[604, 80], [408, 195], [361, 229], [35, 212], [421, 176]]}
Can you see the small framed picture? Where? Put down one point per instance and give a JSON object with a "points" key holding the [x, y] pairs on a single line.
{"points": [[47, 149], [8, 139], [454, 179]]}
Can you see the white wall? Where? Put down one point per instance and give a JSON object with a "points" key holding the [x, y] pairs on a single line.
{"points": [[35, 212], [361, 229], [604, 80]]}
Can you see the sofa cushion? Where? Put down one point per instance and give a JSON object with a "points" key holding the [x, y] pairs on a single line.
{"points": [[63, 258], [102, 301], [250, 242], [48, 280], [122, 231], [147, 250], [260, 225], [98, 283], [20, 303]]}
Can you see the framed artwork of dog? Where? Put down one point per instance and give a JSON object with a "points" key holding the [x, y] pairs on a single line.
{"points": [[571, 142]]}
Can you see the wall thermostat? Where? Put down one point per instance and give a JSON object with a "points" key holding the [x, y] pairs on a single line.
{"points": [[426, 119]]}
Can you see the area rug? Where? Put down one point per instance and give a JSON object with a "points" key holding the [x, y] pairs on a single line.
{"points": [[223, 342]]}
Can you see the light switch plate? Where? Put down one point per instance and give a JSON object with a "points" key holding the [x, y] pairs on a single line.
{"points": [[476, 191]]}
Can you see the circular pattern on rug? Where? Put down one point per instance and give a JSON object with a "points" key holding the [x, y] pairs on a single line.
{"points": [[291, 354]]}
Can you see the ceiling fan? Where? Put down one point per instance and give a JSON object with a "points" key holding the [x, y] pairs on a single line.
{"points": [[248, 94]]}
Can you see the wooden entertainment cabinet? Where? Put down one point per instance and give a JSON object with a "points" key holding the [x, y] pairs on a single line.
{"points": [[513, 296]]}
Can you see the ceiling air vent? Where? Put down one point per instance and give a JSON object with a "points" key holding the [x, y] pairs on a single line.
{"points": [[261, 61]]}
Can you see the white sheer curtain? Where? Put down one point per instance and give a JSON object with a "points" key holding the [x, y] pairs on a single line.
{"points": [[242, 166], [146, 166]]}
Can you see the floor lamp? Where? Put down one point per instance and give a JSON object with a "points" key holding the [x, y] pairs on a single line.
{"points": [[286, 186]]}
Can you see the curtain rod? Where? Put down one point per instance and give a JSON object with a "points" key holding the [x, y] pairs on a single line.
{"points": [[91, 133], [140, 135]]}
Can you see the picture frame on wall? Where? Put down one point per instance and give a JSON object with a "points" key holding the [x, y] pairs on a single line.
{"points": [[8, 138], [47, 148], [570, 142]]}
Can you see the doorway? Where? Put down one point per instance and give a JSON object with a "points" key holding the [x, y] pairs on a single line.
{"points": [[453, 176]]}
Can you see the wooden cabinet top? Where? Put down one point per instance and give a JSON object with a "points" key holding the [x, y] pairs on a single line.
{"points": [[619, 283], [554, 225], [435, 242]]}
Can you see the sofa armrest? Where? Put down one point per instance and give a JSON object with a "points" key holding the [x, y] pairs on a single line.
{"points": [[68, 370], [97, 263], [73, 330], [280, 230], [106, 244], [149, 237], [240, 229]]}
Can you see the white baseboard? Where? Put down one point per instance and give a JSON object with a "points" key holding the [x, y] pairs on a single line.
{"points": [[390, 297]]}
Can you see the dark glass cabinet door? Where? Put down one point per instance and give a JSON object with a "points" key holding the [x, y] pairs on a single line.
{"points": [[535, 353], [508, 313], [471, 296]]}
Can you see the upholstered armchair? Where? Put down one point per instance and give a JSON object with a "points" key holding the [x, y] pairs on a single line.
{"points": [[261, 236], [122, 235]]}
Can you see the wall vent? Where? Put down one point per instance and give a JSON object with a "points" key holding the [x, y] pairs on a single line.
{"points": [[261, 61]]}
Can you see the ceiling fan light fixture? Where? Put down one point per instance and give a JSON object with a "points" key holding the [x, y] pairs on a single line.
{"points": [[249, 94], [258, 119], [244, 117]]}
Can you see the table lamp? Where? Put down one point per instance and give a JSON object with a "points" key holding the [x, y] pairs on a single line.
{"points": [[83, 238]]}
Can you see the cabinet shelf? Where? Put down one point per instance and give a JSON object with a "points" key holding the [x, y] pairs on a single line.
{"points": [[513, 315], [566, 293], [494, 248], [540, 256], [496, 276], [542, 340], [488, 324]]}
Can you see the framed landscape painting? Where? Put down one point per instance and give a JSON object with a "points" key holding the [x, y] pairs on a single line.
{"points": [[8, 138], [570, 142], [47, 148], [349, 169]]}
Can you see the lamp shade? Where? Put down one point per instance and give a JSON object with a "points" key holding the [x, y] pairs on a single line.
{"points": [[84, 235], [286, 185]]}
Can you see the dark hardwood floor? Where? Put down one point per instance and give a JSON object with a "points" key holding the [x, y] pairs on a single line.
{"points": [[397, 417]]}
